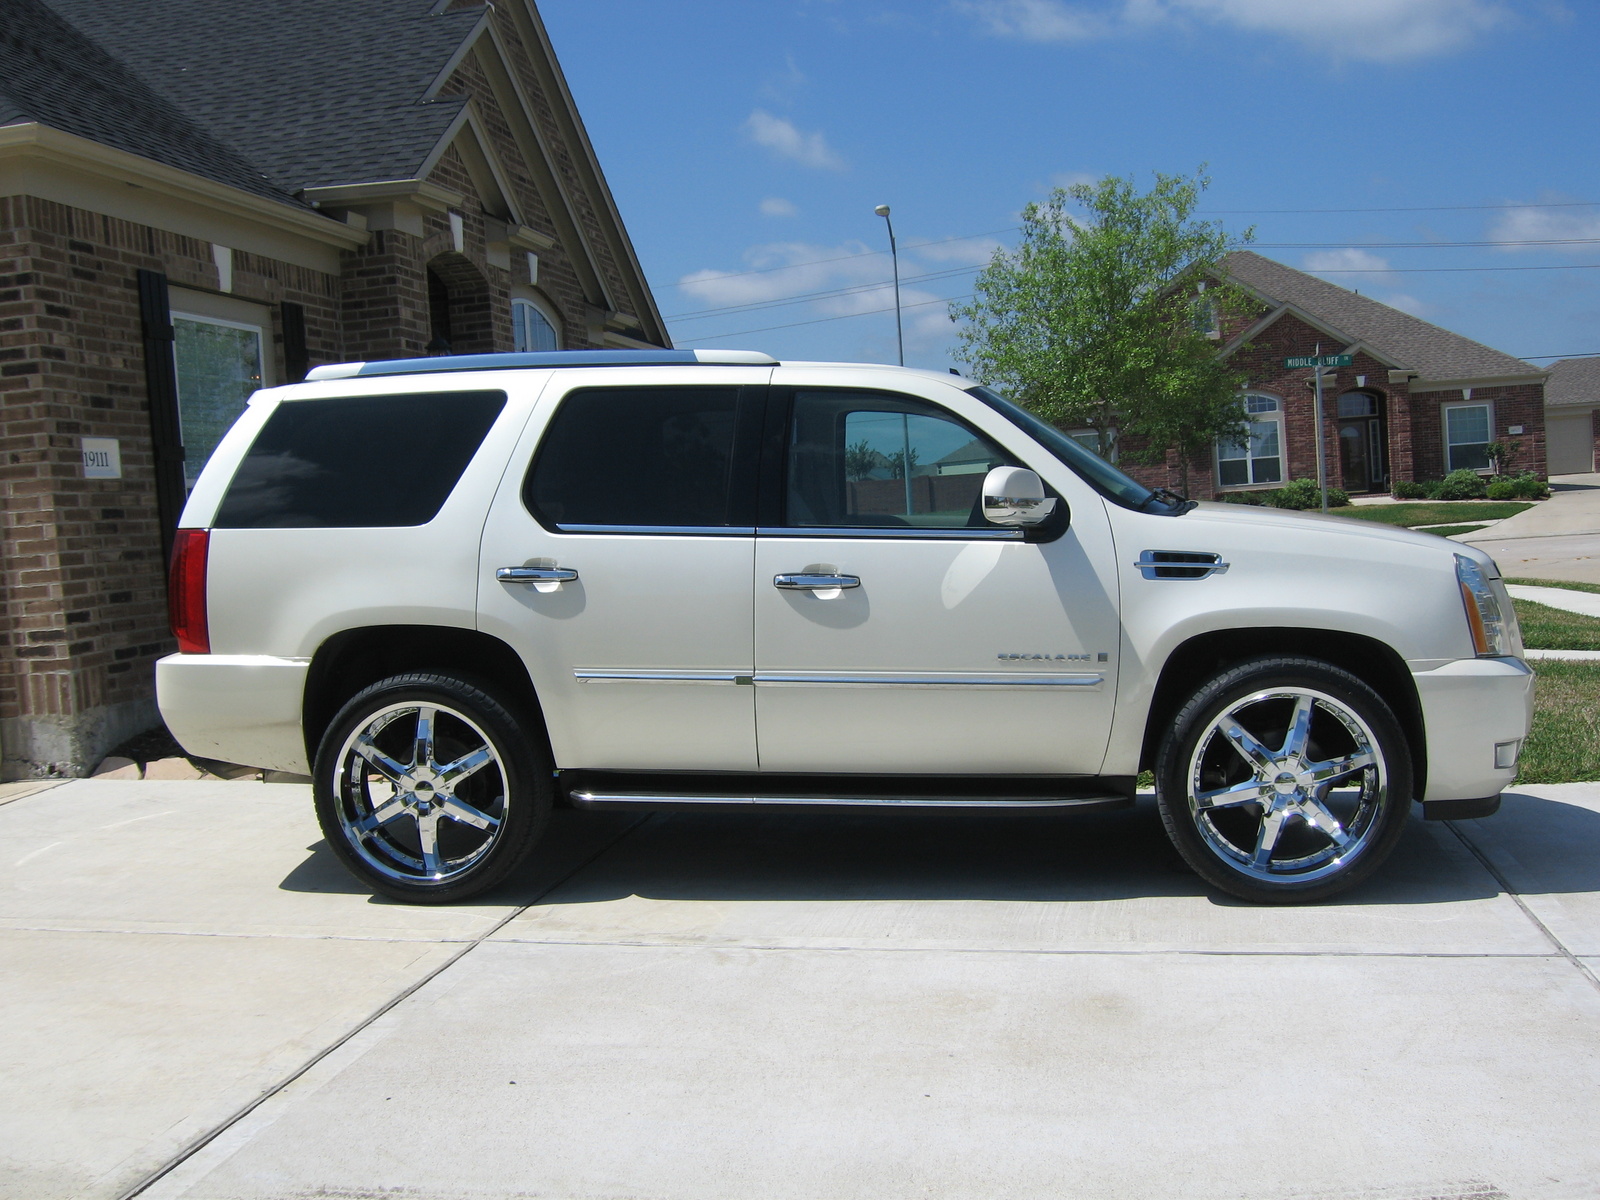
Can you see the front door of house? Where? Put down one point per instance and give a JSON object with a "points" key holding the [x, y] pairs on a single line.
{"points": [[1365, 466]]}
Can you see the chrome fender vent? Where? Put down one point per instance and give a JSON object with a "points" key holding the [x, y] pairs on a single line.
{"points": [[1179, 564]]}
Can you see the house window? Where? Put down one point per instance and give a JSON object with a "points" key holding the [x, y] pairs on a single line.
{"points": [[1205, 317], [1259, 457], [1467, 437], [1089, 439], [218, 366], [532, 328]]}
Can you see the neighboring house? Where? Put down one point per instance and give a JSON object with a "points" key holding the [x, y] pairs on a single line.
{"points": [[199, 199], [1418, 402], [1571, 402]]}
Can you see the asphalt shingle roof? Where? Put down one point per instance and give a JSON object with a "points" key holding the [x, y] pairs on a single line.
{"points": [[1573, 381], [1433, 352], [51, 73], [314, 93]]}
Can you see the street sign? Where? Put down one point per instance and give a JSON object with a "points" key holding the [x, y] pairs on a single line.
{"points": [[1321, 360]]}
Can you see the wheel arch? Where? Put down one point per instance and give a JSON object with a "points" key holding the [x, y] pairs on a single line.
{"points": [[1208, 654], [354, 658]]}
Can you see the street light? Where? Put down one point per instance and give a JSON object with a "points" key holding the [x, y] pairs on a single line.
{"points": [[899, 334]]}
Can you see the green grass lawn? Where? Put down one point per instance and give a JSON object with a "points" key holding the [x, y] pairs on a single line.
{"points": [[1546, 628], [1564, 746], [1435, 512], [1451, 530]]}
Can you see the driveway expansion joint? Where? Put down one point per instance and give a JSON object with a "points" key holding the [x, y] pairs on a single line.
{"points": [[1516, 897], [394, 1002]]}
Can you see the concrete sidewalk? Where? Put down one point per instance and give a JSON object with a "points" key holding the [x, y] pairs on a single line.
{"points": [[200, 1003]]}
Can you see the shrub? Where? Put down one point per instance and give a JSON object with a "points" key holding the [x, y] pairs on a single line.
{"points": [[1298, 494], [1254, 498], [1409, 489], [1528, 486], [1462, 485], [1502, 489], [1338, 498]]}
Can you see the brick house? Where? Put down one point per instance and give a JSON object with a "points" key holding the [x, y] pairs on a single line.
{"points": [[1572, 415], [1418, 402], [198, 199]]}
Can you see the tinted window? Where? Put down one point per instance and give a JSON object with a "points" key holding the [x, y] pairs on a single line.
{"points": [[864, 458], [648, 456], [358, 462]]}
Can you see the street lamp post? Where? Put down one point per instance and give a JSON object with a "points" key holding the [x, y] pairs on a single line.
{"points": [[894, 257]]}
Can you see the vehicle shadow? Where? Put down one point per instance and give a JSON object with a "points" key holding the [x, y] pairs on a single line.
{"points": [[1039, 857]]}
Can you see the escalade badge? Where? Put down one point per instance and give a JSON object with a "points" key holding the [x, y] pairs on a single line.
{"points": [[1047, 657]]}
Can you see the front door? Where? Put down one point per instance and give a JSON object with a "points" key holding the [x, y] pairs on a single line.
{"points": [[616, 560], [1361, 443], [948, 646]]}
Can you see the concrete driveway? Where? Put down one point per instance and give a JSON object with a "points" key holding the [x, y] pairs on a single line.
{"points": [[1557, 540], [197, 1002]]}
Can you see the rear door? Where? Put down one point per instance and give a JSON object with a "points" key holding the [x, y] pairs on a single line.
{"points": [[617, 561], [952, 645]]}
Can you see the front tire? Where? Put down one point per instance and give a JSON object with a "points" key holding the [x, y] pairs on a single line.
{"points": [[429, 789], [1284, 780]]}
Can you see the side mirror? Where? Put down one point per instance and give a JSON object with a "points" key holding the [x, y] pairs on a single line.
{"points": [[1014, 496]]}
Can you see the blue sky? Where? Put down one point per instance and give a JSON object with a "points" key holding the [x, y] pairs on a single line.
{"points": [[747, 142]]}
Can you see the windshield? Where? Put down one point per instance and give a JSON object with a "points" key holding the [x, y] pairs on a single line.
{"points": [[1096, 471]]}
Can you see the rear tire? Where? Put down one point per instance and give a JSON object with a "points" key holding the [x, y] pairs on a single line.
{"points": [[430, 789], [1284, 781]]}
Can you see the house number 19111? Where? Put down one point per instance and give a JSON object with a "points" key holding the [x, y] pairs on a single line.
{"points": [[102, 458]]}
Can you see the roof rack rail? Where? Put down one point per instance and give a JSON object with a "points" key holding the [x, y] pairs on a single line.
{"points": [[551, 358]]}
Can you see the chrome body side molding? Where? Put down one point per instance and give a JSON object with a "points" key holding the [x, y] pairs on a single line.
{"points": [[840, 679]]}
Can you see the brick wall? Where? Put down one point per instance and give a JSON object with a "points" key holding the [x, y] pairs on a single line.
{"points": [[1521, 404], [84, 607]]}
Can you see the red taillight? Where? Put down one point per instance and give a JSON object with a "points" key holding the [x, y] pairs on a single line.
{"points": [[186, 591]]}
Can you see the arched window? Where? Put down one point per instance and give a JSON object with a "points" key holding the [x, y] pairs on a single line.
{"points": [[532, 326], [1258, 458]]}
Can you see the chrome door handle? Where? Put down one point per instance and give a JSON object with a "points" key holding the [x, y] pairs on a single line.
{"points": [[815, 583], [535, 575]]}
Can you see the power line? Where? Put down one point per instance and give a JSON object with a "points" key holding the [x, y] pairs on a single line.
{"points": [[1435, 270], [715, 337], [801, 297], [1585, 354], [1424, 245], [1251, 212], [816, 262]]}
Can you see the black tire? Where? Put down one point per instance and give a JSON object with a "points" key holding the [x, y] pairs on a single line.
{"points": [[481, 819], [1263, 820]]}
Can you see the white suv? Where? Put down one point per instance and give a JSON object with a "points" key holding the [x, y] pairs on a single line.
{"points": [[461, 591]]}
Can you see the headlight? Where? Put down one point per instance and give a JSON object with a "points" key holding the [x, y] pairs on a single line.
{"points": [[1494, 628]]}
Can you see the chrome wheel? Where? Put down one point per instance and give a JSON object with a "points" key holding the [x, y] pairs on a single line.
{"points": [[1287, 783], [420, 793], [1284, 780]]}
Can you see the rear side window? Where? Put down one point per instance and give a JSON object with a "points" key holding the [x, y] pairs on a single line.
{"points": [[651, 457], [358, 462]]}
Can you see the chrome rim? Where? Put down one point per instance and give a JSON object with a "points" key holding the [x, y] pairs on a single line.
{"points": [[421, 793], [1286, 785]]}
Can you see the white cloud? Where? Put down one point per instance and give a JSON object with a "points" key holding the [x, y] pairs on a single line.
{"points": [[777, 206], [806, 268], [1405, 303], [1374, 30], [783, 139], [1038, 20], [962, 251], [1069, 179], [1547, 225], [1345, 261]]}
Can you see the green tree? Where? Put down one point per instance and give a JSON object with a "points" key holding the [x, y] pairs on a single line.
{"points": [[1100, 321]]}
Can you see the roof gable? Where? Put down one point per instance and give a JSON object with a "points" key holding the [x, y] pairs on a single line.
{"points": [[1389, 334]]}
